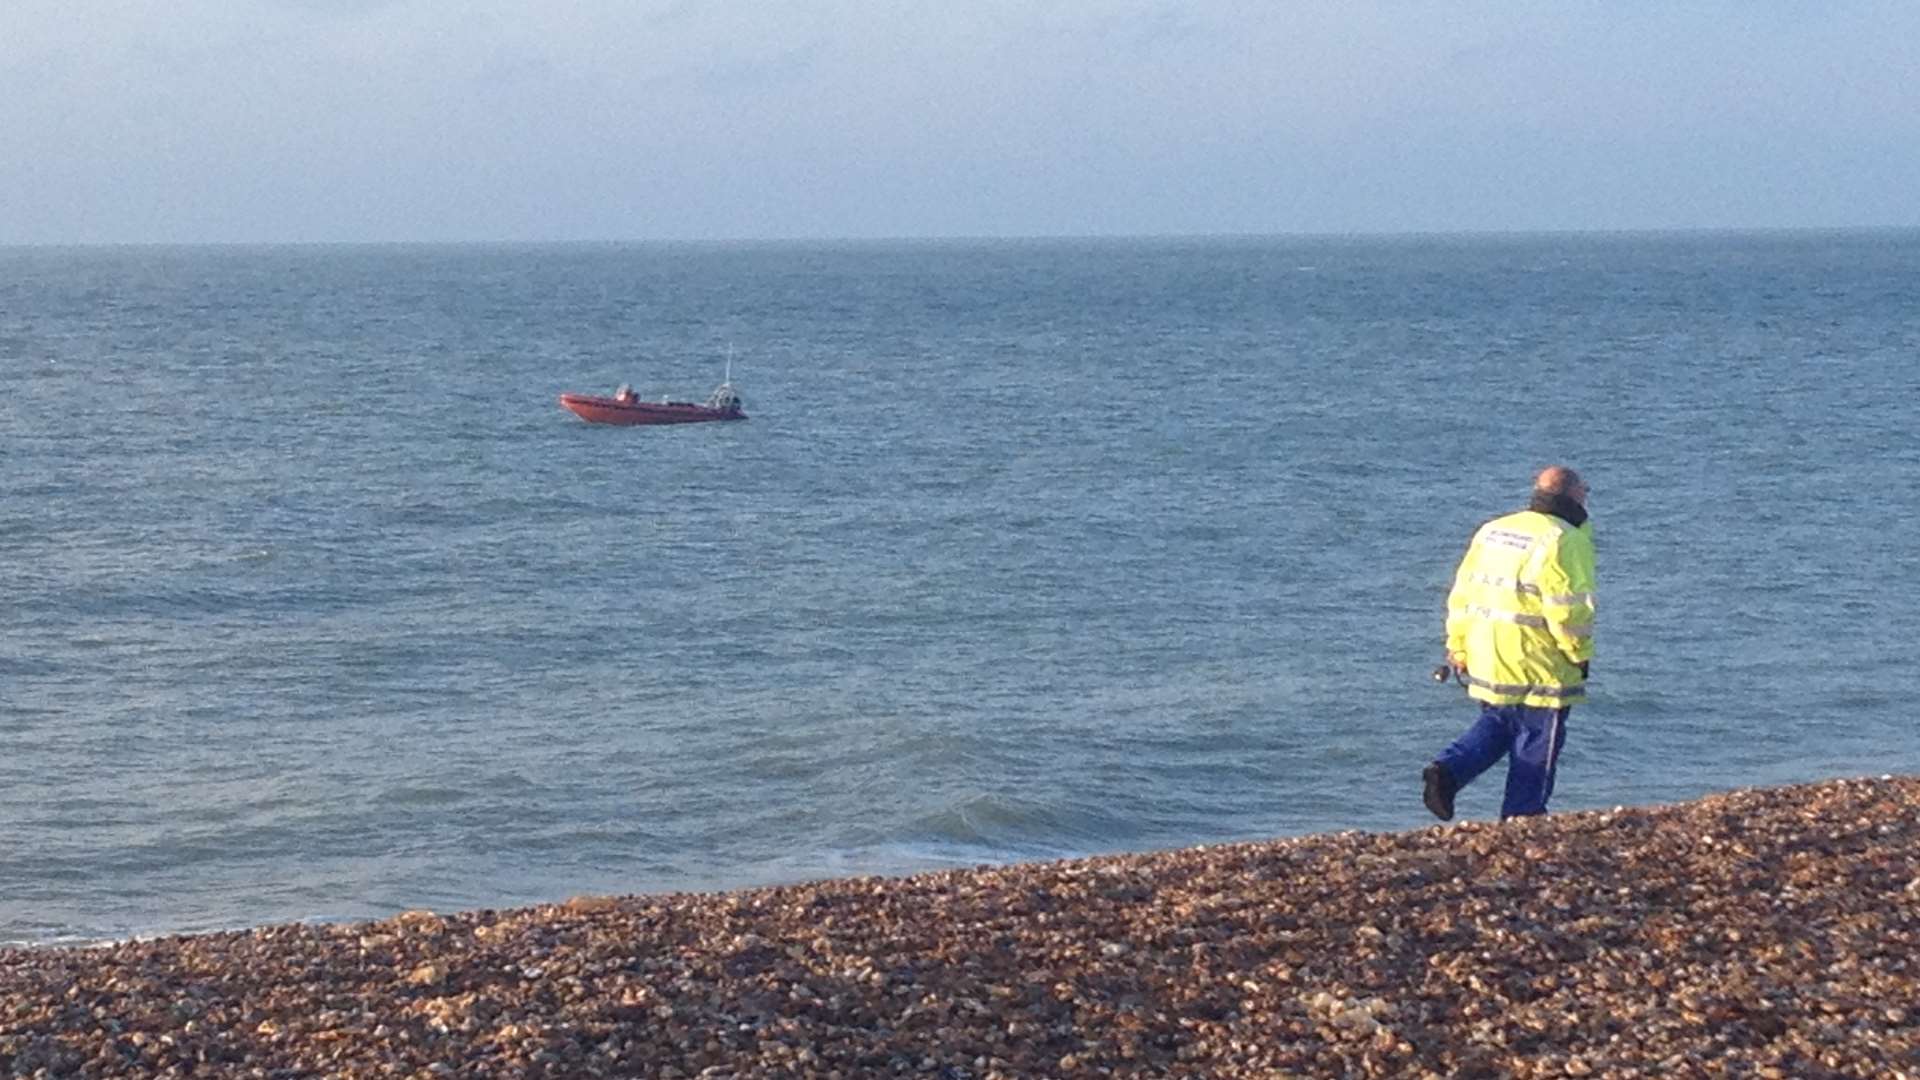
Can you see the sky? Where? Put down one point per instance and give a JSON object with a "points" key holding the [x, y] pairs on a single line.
{"points": [[234, 121]]}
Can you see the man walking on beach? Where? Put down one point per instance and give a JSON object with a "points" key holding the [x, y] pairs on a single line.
{"points": [[1520, 636]]}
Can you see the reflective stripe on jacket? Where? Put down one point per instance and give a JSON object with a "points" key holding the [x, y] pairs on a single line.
{"points": [[1521, 610]]}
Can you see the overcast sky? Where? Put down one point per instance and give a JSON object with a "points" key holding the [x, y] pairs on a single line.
{"points": [[349, 120]]}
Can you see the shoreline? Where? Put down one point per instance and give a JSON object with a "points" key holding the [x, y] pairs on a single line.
{"points": [[1768, 932]]}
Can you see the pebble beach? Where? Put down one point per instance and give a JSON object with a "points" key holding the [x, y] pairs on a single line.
{"points": [[1765, 933]]}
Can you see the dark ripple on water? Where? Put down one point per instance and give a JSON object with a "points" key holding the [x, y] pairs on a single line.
{"points": [[319, 607]]}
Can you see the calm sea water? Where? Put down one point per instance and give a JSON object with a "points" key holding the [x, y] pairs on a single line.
{"points": [[317, 606]]}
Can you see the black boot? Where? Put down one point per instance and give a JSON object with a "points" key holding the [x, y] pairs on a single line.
{"points": [[1440, 791]]}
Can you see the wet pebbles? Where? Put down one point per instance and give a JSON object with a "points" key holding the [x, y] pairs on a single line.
{"points": [[1767, 933]]}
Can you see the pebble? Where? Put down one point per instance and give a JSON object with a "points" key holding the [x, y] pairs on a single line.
{"points": [[1608, 944]]}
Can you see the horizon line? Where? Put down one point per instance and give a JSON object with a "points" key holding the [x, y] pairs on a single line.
{"points": [[967, 238]]}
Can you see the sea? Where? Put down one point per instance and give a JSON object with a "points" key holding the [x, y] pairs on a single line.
{"points": [[316, 606]]}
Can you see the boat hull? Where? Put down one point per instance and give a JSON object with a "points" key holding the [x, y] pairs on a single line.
{"points": [[606, 410]]}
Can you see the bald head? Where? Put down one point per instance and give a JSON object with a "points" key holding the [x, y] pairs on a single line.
{"points": [[1561, 480]]}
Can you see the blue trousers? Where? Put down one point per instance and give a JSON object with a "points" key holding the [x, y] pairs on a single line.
{"points": [[1529, 737]]}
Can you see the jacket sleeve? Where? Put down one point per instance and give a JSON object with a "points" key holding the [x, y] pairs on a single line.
{"points": [[1457, 618], [1567, 593]]}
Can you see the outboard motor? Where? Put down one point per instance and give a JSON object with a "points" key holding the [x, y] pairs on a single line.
{"points": [[725, 399]]}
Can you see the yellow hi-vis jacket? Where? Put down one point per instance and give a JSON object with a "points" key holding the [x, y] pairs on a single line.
{"points": [[1521, 610]]}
